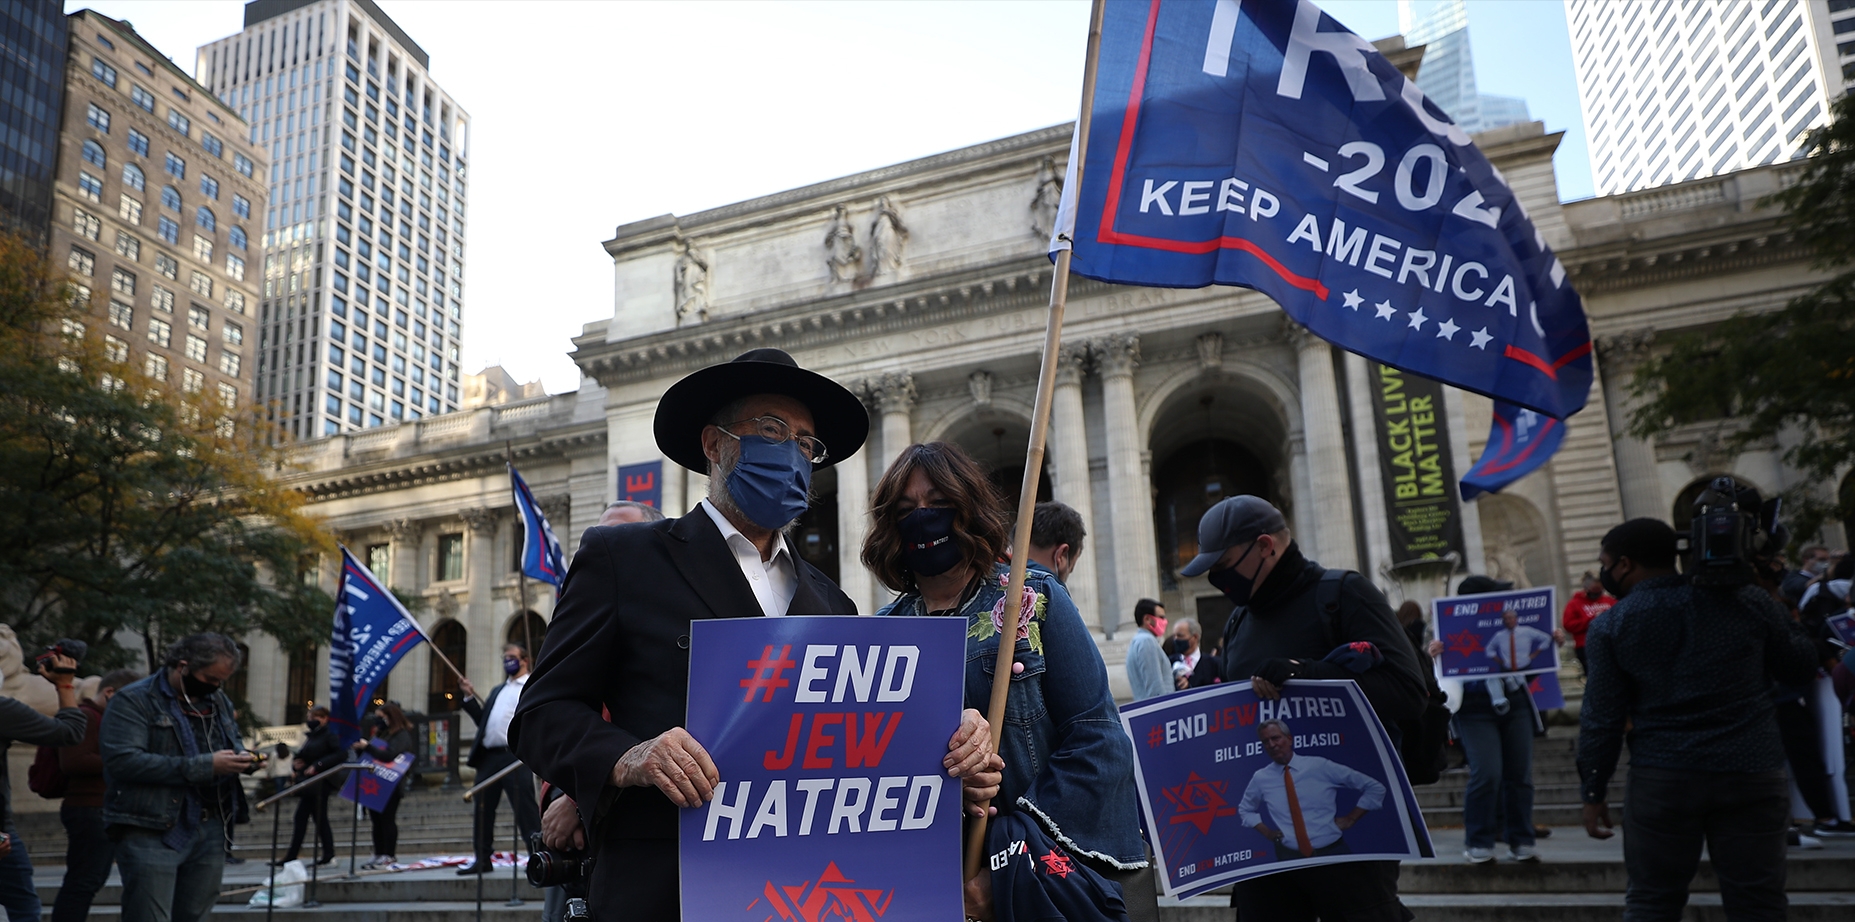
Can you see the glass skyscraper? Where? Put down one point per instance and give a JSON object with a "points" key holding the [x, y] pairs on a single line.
{"points": [[34, 35], [1447, 76]]}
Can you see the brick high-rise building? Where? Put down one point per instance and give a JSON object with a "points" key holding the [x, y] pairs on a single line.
{"points": [[364, 239], [154, 213]]}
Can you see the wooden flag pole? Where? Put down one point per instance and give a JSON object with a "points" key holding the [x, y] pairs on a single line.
{"points": [[1033, 455]]}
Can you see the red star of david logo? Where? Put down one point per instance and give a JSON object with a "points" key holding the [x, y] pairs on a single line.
{"points": [[1057, 863], [1198, 802], [1465, 644], [370, 786], [831, 898]]}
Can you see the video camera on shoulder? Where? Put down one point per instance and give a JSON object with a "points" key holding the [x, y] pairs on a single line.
{"points": [[75, 649], [1734, 535]]}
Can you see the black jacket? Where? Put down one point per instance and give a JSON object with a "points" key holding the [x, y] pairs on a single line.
{"points": [[1285, 620], [321, 750], [477, 713], [619, 640]]}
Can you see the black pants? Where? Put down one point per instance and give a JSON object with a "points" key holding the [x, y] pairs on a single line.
{"points": [[386, 823], [1740, 816], [1363, 891], [1803, 749], [520, 786], [87, 858], [636, 880], [312, 803]]}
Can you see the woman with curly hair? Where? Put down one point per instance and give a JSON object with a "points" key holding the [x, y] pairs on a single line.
{"points": [[939, 536]]}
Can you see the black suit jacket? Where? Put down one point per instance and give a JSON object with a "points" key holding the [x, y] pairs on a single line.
{"points": [[619, 640], [477, 712]]}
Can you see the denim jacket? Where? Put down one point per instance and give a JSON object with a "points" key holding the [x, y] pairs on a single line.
{"points": [[145, 774], [1067, 760]]}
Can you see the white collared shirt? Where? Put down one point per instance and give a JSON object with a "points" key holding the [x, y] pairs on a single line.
{"points": [[774, 580], [496, 722], [1317, 784]]}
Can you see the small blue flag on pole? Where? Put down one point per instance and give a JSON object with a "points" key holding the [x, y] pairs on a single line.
{"points": [[541, 556], [1262, 144], [1520, 441], [373, 632]]}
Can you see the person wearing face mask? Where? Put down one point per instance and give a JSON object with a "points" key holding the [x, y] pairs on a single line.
{"points": [[1149, 669], [491, 753], [938, 535], [1192, 667], [391, 737], [321, 751], [758, 427], [171, 752], [88, 851], [1580, 611], [1687, 669], [1291, 615]]}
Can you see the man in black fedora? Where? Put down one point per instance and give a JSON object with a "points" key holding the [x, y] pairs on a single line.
{"points": [[758, 426]]}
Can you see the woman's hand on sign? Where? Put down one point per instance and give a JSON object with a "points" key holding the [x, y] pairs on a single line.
{"points": [[673, 763], [1436, 648]]}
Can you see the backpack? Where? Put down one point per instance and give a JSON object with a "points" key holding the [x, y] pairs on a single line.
{"points": [[45, 778], [1421, 742]]}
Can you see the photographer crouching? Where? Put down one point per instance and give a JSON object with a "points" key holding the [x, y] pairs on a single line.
{"points": [[171, 757], [1686, 662], [20, 723]]}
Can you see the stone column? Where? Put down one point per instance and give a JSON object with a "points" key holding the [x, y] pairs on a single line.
{"points": [[1371, 478], [895, 397], [1070, 446], [1474, 551], [1332, 499], [479, 611], [413, 672], [853, 523], [675, 488], [1136, 563], [1618, 355]]}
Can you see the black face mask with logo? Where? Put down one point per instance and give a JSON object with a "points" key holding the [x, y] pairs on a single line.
{"points": [[928, 548]]}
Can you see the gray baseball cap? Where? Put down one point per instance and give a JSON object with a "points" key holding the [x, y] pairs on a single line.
{"points": [[1237, 520]]}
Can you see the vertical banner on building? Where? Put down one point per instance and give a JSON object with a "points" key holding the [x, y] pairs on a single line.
{"points": [[1496, 633], [1413, 454], [642, 483], [1233, 786], [828, 733]]}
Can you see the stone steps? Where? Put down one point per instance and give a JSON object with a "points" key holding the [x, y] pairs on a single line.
{"points": [[1549, 907]]}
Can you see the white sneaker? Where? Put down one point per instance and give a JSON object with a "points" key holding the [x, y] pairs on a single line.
{"points": [[1796, 839], [1523, 853], [1479, 855]]}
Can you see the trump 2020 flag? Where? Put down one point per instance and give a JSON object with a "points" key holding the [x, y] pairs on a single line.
{"points": [[1520, 441], [373, 632], [1263, 145], [541, 557]]}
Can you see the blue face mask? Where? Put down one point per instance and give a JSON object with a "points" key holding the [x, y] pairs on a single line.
{"points": [[928, 548], [771, 482]]}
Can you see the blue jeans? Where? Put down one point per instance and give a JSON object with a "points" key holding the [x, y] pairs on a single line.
{"points": [[88, 855], [17, 893], [160, 884], [1500, 753]]}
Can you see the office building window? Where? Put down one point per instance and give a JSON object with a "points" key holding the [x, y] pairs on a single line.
{"points": [[162, 300], [128, 247], [93, 154], [121, 315], [233, 334], [160, 332], [212, 144], [234, 300], [201, 283], [178, 122], [103, 71], [98, 118], [202, 248], [235, 267], [168, 229], [156, 367], [242, 163], [86, 224], [170, 198], [133, 178], [129, 210], [176, 167], [191, 381], [138, 142], [115, 350], [228, 363], [142, 97], [199, 318], [82, 261], [168, 266], [209, 186], [122, 281], [241, 206], [89, 186]]}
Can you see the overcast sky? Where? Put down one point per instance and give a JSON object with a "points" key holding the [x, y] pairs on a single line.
{"points": [[589, 115]]}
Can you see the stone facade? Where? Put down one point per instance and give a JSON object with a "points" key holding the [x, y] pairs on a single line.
{"points": [[923, 286]]}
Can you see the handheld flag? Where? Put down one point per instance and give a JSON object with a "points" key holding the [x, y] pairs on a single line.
{"points": [[1520, 442], [373, 632], [1263, 145], [541, 556]]}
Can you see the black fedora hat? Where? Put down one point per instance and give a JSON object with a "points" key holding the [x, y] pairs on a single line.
{"points": [[839, 418]]}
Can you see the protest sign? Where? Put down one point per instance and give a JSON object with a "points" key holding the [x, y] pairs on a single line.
{"points": [[828, 734], [1844, 628], [1497, 633], [1547, 695], [373, 786], [1228, 795]]}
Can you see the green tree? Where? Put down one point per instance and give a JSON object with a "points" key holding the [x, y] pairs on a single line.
{"points": [[126, 510], [1785, 371]]}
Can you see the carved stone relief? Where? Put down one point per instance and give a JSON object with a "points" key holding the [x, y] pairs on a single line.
{"points": [[887, 237], [842, 257], [692, 286], [1044, 202], [980, 383]]}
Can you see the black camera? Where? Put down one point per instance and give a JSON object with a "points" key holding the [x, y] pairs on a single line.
{"points": [[1734, 535], [550, 868], [75, 649]]}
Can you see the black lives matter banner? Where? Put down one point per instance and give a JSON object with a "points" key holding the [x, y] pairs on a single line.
{"points": [[1413, 458]]}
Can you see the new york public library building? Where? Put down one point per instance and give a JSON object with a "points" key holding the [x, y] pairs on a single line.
{"points": [[923, 286]]}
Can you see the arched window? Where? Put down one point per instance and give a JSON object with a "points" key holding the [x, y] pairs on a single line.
{"points": [[132, 177], [443, 695], [204, 217], [300, 690], [237, 236], [170, 198], [529, 631], [93, 154]]}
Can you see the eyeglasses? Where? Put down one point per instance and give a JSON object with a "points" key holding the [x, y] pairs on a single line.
{"points": [[775, 430]]}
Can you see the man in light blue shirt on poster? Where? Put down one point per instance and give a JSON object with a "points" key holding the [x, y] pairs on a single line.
{"points": [[1514, 647], [1301, 793]]}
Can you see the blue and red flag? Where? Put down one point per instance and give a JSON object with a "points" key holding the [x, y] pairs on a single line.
{"points": [[1262, 144], [373, 632], [541, 556], [1520, 442]]}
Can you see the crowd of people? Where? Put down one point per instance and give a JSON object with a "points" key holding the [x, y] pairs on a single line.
{"points": [[1720, 691]]}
